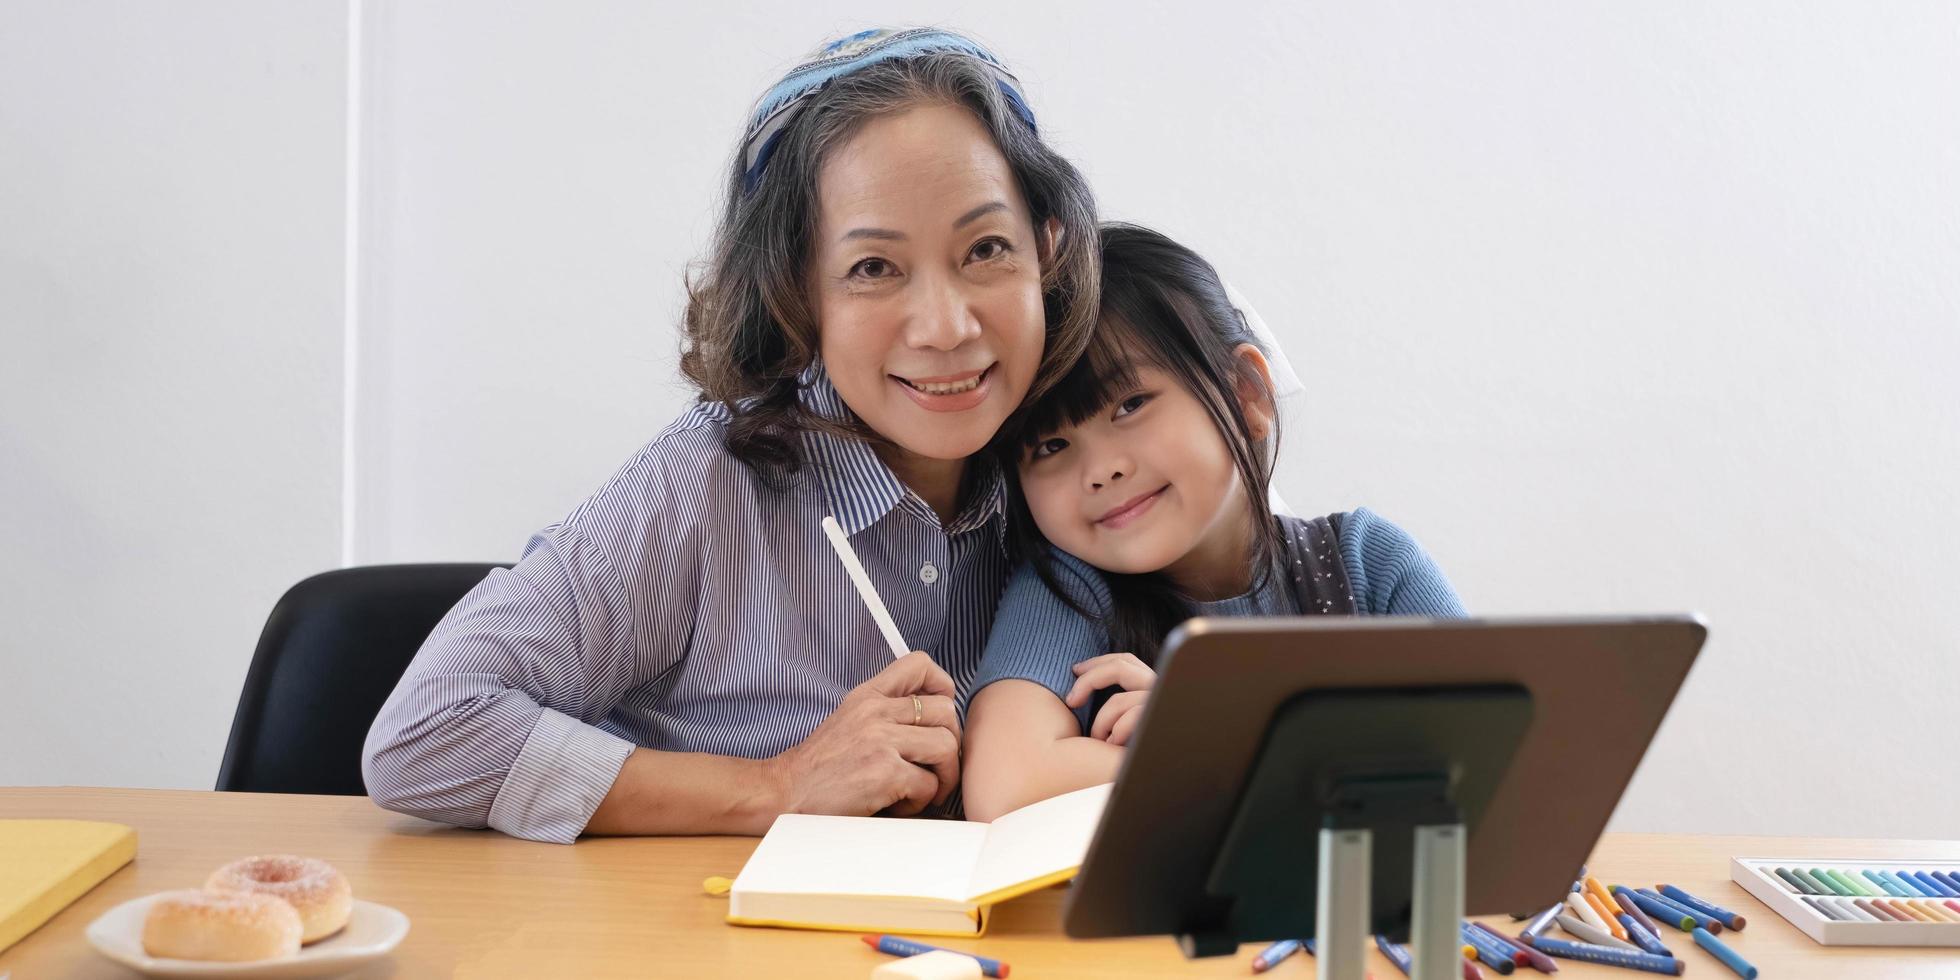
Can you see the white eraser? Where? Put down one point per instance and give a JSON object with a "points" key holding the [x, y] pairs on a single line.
{"points": [[936, 965]]}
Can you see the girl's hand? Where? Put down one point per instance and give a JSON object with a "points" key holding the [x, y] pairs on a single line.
{"points": [[1120, 714]]}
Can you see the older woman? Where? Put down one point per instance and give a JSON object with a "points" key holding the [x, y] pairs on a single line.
{"points": [[900, 263]]}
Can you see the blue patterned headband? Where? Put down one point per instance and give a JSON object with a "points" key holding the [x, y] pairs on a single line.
{"points": [[835, 59]]}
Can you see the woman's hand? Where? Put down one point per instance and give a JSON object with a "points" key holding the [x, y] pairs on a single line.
{"points": [[893, 744], [1121, 713]]}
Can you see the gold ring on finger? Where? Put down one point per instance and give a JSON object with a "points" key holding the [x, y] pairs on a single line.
{"points": [[918, 710]]}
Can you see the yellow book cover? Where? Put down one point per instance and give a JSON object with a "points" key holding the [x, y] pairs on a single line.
{"points": [[922, 877], [46, 864]]}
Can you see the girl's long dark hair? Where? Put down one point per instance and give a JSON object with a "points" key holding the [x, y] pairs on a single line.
{"points": [[1164, 305]]}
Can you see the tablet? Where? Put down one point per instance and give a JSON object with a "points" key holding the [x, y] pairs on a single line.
{"points": [[1537, 725]]}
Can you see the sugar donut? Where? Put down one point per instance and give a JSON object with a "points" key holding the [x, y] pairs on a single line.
{"points": [[229, 926], [315, 889]]}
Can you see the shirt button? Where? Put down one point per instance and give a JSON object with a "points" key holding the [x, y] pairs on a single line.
{"points": [[928, 573]]}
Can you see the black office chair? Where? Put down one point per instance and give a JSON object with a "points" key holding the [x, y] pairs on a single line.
{"points": [[331, 652]]}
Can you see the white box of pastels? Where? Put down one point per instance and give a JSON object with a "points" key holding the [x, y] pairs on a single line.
{"points": [[1859, 903]]}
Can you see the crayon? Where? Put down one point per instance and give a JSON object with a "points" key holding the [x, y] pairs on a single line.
{"points": [[1937, 913], [1851, 886], [1611, 956], [1934, 883], [1585, 912], [1827, 911], [894, 946], [1599, 891], [1729, 957], [1882, 914], [1795, 882], [1707, 922], [1606, 916], [1505, 946], [1396, 955], [1623, 897], [1275, 954], [1642, 938], [1586, 932], [1949, 880], [1879, 880], [1912, 914], [1475, 944], [1537, 960], [1542, 921], [1913, 888], [1726, 917], [1664, 913], [1823, 886]]}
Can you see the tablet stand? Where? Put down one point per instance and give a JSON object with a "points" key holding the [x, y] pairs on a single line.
{"points": [[1387, 779]]}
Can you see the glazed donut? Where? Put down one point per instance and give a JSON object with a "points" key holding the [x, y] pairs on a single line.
{"points": [[229, 926], [315, 889]]}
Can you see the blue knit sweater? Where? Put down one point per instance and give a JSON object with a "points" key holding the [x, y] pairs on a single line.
{"points": [[1037, 637]]}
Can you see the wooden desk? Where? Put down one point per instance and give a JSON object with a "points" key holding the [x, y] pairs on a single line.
{"points": [[483, 904]]}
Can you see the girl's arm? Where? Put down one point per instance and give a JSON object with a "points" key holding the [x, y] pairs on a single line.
{"points": [[1023, 745]]}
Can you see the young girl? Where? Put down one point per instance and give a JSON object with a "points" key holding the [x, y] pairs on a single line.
{"points": [[1146, 471]]}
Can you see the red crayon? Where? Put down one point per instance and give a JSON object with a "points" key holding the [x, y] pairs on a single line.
{"points": [[1533, 958]]}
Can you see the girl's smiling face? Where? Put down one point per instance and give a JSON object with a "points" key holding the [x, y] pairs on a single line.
{"points": [[1148, 484], [927, 282]]}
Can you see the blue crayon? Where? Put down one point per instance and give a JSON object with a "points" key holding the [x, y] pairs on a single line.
{"points": [[1893, 886], [1723, 915], [1707, 922], [1273, 955], [1397, 955], [1912, 886], [1641, 937], [1623, 897], [1587, 952], [1950, 881], [1662, 912], [1542, 921], [1728, 956], [1487, 951], [894, 946], [1934, 883]]}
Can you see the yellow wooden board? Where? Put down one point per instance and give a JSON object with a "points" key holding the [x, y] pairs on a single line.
{"points": [[46, 864]]}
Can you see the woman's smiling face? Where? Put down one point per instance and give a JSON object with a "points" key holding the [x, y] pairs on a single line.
{"points": [[926, 281]]}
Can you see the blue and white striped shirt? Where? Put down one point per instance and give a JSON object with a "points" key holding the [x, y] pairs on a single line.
{"points": [[685, 606]]}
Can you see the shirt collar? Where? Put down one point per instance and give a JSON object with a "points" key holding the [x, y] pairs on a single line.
{"points": [[861, 489]]}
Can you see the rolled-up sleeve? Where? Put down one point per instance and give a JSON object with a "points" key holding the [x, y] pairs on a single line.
{"points": [[1037, 636], [496, 721]]}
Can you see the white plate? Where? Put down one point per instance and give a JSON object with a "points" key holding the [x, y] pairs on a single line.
{"points": [[372, 931]]}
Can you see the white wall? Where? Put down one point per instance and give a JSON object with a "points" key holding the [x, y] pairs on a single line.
{"points": [[170, 324], [1618, 307]]}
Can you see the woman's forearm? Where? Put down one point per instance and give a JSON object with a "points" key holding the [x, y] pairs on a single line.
{"points": [[688, 793]]}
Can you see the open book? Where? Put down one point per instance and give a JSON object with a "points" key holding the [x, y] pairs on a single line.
{"points": [[931, 877]]}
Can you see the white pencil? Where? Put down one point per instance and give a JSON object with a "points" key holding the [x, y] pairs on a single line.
{"points": [[835, 533]]}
